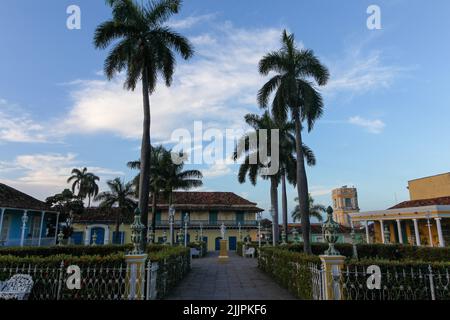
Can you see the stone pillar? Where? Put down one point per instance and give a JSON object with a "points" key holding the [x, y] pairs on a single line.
{"points": [[24, 227], [439, 230], [382, 232], [416, 232], [135, 277], [399, 229], [40, 228], [332, 266], [223, 253]]}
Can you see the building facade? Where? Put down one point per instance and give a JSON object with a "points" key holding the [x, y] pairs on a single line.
{"points": [[25, 221], [422, 222], [345, 201], [202, 212]]}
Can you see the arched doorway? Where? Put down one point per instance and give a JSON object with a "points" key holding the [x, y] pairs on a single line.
{"points": [[218, 243]]}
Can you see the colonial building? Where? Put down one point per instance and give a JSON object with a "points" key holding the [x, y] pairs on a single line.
{"points": [[423, 220], [25, 221], [343, 234], [205, 213], [345, 201]]}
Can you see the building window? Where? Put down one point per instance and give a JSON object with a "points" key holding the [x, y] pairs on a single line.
{"points": [[213, 217], [348, 203], [240, 217]]}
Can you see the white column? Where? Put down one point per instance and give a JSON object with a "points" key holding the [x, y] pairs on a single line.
{"points": [[416, 232], [382, 231], [40, 228], [399, 229], [56, 227], [439, 230], [1, 221], [367, 232], [24, 226], [87, 236], [106, 239]]}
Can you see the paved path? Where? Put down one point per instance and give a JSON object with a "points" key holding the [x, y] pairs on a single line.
{"points": [[237, 279]]}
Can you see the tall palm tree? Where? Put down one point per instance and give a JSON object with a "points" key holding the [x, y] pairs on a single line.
{"points": [[145, 47], [85, 182], [121, 195], [286, 157], [92, 189], [297, 71], [315, 210]]}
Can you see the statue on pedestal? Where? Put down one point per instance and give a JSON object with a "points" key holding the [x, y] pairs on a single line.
{"points": [[222, 231]]}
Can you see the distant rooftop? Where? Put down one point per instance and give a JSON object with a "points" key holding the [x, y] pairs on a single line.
{"points": [[422, 203], [15, 199]]}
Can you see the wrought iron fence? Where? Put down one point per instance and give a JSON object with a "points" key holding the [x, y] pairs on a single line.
{"points": [[317, 280], [96, 282], [396, 284]]}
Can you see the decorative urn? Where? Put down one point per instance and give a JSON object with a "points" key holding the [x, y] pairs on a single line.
{"points": [[136, 232], [329, 230]]}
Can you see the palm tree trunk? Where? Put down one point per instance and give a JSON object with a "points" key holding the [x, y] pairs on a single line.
{"points": [[274, 200], [144, 178], [284, 205], [302, 185], [89, 201]]}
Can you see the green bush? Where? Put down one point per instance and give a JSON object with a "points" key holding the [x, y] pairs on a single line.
{"points": [[290, 269], [174, 263], [200, 246], [381, 251], [64, 250], [248, 245]]}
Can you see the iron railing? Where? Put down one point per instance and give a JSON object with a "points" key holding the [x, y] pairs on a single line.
{"points": [[208, 223]]}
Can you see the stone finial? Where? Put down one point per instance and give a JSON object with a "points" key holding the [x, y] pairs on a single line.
{"points": [[136, 232], [329, 230]]}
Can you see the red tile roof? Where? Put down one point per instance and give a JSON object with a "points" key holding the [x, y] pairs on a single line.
{"points": [[422, 203], [207, 201], [104, 215], [15, 199]]}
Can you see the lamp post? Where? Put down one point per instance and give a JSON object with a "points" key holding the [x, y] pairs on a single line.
{"points": [[295, 235], [429, 228], [272, 213], [201, 232], [186, 220], [240, 232], [258, 218], [69, 221], [164, 238], [171, 221]]}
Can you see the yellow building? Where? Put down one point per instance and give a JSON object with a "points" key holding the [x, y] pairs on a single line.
{"points": [[206, 212], [424, 220], [430, 187], [345, 201]]}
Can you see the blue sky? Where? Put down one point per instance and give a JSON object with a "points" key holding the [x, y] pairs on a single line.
{"points": [[386, 105]]}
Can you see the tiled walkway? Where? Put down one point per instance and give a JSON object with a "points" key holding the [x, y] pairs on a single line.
{"points": [[238, 279]]}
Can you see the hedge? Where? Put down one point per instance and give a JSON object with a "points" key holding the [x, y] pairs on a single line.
{"points": [[248, 245], [64, 250], [381, 251], [280, 265], [174, 263]]}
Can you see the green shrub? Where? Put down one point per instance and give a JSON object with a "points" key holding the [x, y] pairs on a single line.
{"points": [[290, 269], [248, 245], [200, 246], [64, 250], [381, 251]]}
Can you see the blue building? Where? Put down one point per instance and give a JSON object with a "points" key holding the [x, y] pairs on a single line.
{"points": [[25, 221]]}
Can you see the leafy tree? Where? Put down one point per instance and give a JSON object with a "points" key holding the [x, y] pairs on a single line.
{"points": [[85, 182], [144, 47], [295, 93]]}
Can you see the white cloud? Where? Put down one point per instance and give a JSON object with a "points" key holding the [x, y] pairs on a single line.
{"points": [[358, 73], [217, 84], [18, 126], [373, 126], [42, 175], [218, 169], [190, 21]]}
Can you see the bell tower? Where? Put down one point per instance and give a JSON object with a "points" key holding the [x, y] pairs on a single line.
{"points": [[345, 201]]}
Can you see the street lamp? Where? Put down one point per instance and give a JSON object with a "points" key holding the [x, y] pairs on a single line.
{"points": [[24, 226], [259, 218], [186, 220], [171, 221], [201, 232]]}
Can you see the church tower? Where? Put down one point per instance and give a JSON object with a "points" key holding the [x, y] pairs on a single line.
{"points": [[345, 201]]}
